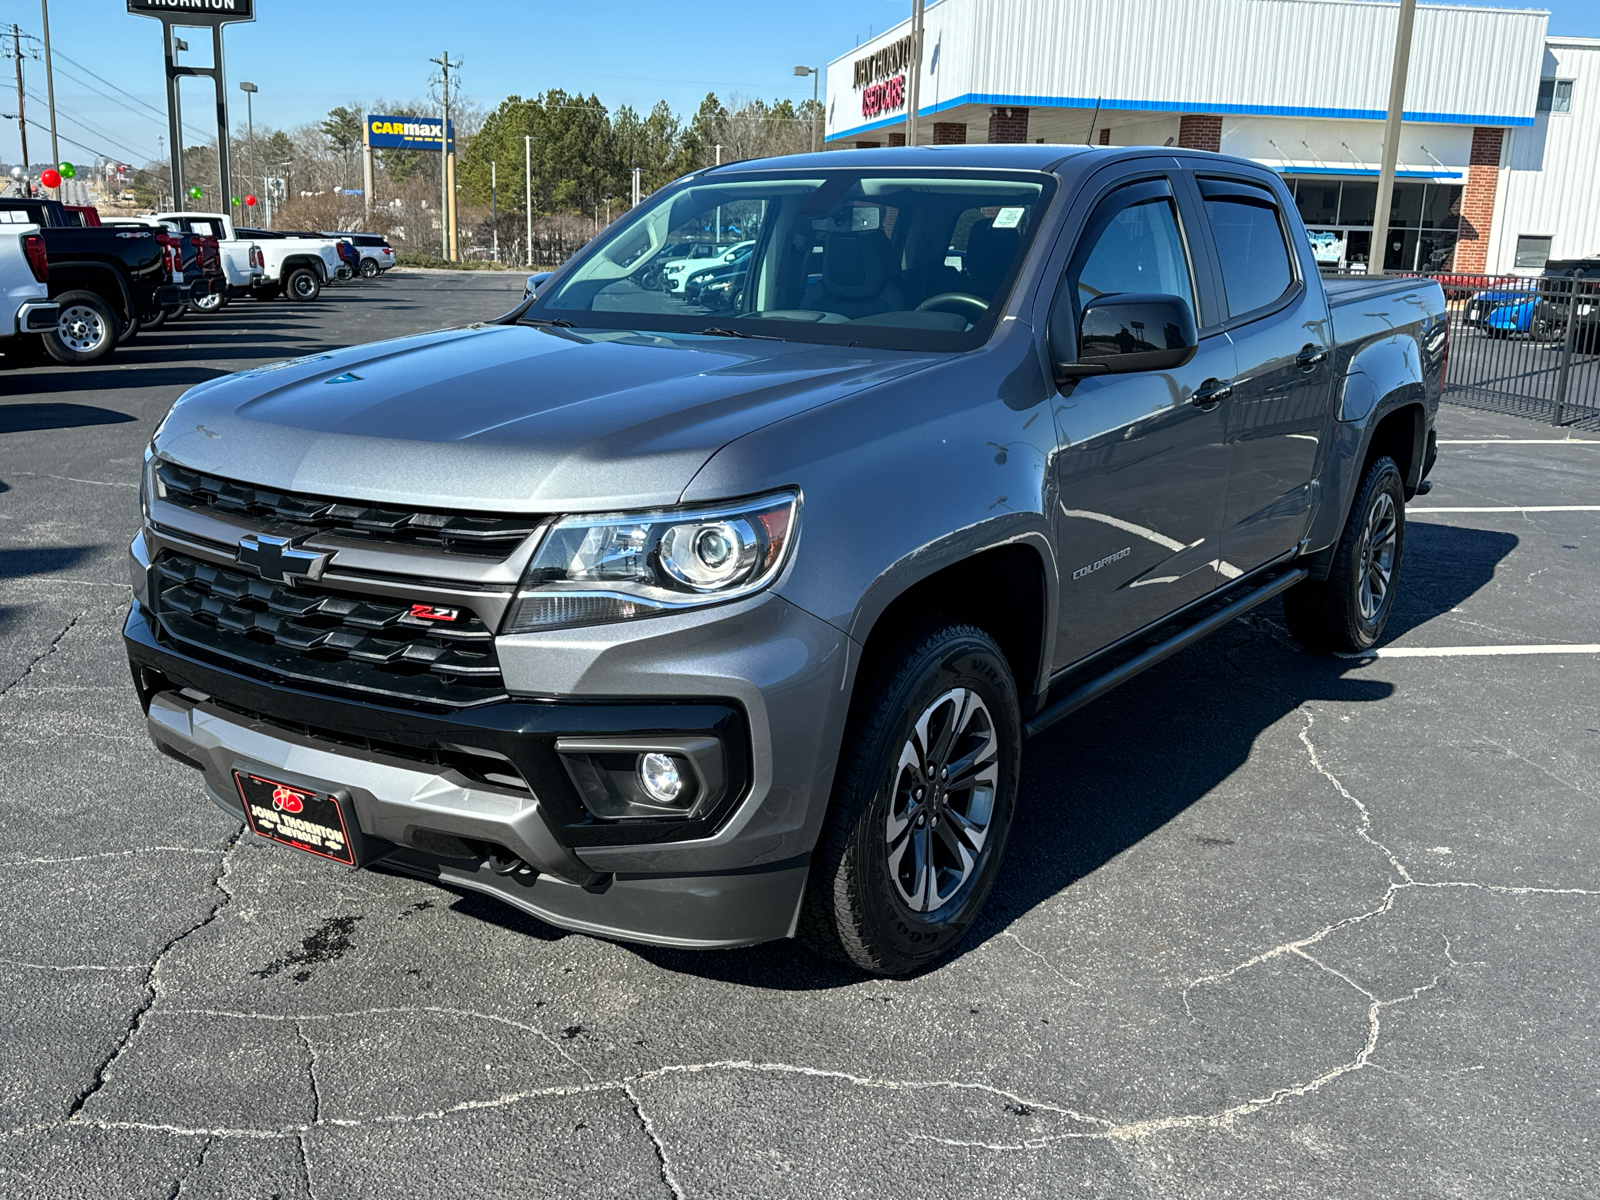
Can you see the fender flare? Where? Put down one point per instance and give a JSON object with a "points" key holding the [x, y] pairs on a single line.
{"points": [[126, 313]]}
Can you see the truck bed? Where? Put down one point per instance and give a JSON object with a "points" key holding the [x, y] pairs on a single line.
{"points": [[1351, 289]]}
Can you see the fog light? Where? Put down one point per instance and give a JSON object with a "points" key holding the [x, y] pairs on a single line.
{"points": [[660, 778]]}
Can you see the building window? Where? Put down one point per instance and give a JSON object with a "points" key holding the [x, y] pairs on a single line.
{"points": [[1555, 95], [1533, 252]]}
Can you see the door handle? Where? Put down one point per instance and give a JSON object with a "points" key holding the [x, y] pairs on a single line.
{"points": [[1211, 393], [1310, 356]]}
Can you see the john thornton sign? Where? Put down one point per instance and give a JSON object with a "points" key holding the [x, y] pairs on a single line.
{"points": [[195, 12]]}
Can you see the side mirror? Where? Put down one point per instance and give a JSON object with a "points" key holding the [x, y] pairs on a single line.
{"points": [[1132, 331], [535, 282]]}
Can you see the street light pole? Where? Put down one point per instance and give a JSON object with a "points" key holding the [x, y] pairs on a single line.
{"points": [[494, 201], [249, 90], [527, 206], [815, 74], [1378, 251], [914, 92]]}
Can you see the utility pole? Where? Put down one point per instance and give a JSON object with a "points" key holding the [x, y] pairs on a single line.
{"points": [[22, 116], [527, 166], [494, 202], [249, 90], [50, 84], [914, 92], [1391, 138], [446, 161]]}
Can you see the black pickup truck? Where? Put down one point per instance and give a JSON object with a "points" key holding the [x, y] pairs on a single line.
{"points": [[106, 280]]}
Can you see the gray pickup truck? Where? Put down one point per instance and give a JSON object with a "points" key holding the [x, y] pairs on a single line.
{"points": [[708, 627]]}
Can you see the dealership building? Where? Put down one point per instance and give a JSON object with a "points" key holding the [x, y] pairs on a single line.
{"points": [[1499, 157]]}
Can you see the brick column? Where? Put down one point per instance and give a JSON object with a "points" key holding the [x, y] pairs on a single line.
{"points": [[868, 145], [1477, 200], [949, 133], [897, 139], [1200, 132], [1105, 137], [1008, 125]]}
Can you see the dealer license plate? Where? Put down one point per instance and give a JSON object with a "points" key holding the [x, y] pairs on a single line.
{"points": [[311, 821]]}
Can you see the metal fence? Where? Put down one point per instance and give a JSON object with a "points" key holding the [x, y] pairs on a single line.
{"points": [[1525, 346]]}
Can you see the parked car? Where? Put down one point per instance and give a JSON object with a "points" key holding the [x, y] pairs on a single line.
{"points": [[376, 255], [24, 283], [293, 265], [730, 629], [736, 266], [243, 264], [105, 280], [703, 254]]}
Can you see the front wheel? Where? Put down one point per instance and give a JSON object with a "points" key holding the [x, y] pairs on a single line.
{"points": [[370, 268], [303, 284], [86, 332], [1348, 610], [921, 805]]}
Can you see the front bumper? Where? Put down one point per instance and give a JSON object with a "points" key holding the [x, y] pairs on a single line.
{"points": [[735, 879]]}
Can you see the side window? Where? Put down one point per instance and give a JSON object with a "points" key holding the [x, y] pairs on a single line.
{"points": [[1138, 250], [1250, 246]]}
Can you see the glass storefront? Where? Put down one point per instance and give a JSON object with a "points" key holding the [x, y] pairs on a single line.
{"points": [[1338, 213]]}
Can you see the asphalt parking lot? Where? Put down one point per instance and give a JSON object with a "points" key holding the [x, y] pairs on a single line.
{"points": [[1271, 924]]}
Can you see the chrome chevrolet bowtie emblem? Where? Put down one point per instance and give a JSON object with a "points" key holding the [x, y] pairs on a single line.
{"points": [[277, 558]]}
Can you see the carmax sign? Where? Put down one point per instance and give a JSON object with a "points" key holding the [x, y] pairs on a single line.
{"points": [[410, 133]]}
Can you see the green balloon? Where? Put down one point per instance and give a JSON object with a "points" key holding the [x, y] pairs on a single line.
{"points": [[68, 171], [236, 202], [195, 193]]}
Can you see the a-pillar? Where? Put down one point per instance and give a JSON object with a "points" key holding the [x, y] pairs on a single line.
{"points": [[1008, 125], [1200, 132], [1477, 200]]}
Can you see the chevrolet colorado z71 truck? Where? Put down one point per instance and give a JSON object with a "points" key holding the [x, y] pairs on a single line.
{"points": [[704, 628]]}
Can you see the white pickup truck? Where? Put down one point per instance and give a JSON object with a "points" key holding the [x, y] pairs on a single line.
{"points": [[242, 261], [292, 266], [24, 284]]}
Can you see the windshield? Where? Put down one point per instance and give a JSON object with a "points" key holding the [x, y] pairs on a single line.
{"points": [[910, 260]]}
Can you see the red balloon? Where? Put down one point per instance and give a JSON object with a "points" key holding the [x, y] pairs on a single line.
{"points": [[250, 200], [50, 177]]}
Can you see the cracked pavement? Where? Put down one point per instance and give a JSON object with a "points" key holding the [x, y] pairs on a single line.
{"points": [[1271, 924]]}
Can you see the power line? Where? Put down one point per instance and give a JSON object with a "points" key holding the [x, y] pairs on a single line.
{"points": [[89, 125]]}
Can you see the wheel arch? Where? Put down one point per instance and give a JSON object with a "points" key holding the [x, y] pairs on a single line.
{"points": [[77, 275]]}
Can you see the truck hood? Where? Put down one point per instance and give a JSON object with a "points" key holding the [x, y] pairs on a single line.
{"points": [[509, 418]]}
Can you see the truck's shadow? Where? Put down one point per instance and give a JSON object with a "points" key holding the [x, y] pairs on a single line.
{"points": [[1114, 773]]}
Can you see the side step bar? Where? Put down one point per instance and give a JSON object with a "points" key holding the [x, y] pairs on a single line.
{"points": [[1100, 685]]}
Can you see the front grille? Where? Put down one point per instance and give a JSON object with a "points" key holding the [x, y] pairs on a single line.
{"points": [[451, 533], [371, 644]]}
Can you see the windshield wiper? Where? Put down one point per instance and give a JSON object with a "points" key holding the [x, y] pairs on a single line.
{"points": [[558, 321], [719, 331]]}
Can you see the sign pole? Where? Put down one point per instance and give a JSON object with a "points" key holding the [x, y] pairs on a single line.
{"points": [[1378, 251], [914, 91], [224, 133], [366, 170], [50, 84]]}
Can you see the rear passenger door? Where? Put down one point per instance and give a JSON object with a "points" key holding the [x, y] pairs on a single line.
{"points": [[1278, 417]]}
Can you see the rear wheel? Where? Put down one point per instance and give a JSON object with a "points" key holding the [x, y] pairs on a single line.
{"points": [[303, 284], [86, 332], [370, 268], [157, 321], [1348, 610], [211, 302], [921, 805]]}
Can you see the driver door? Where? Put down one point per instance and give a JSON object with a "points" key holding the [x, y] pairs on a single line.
{"points": [[1141, 463]]}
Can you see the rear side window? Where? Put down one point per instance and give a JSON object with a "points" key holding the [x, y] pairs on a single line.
{"points": [[1250, 245]]}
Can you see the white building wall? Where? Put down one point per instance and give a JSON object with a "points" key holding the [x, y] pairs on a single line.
{"points": [[1297, 58], [1550, 185], [1308, 147]]}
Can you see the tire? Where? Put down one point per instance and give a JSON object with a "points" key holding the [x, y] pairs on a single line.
{"points": [[129, 331], [210, 304], [157, 321], [87, 332], [1346, 611], [870, 900], [302, 285], [370, 268], [178, 313]]}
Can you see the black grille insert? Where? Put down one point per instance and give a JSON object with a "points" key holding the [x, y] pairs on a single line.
{"points": [[451, 533], [363, 643]]}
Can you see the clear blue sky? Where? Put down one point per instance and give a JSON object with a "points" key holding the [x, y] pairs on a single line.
{"points": [[307, 56]]}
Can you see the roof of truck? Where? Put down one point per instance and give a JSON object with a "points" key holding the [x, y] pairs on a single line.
{"points": [[1031, 156]]}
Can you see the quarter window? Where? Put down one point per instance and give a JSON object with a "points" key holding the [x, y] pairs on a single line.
{"points": [[1250, 247]]}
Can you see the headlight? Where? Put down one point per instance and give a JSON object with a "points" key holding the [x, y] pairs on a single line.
{"points": [[593, 570]]}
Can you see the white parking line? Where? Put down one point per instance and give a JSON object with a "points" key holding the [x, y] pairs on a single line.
{"points": [[1519, 442], [1523, 508], [1472, 651]]}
